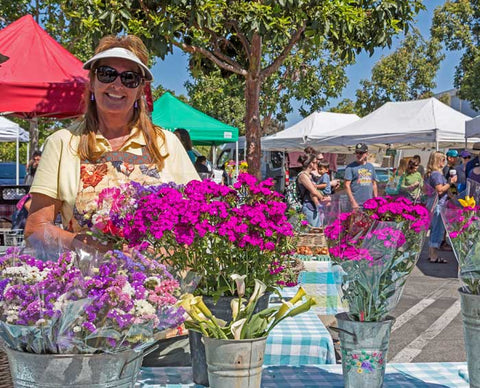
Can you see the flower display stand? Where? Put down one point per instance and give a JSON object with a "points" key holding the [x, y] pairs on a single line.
{"points": [[364, 347]]}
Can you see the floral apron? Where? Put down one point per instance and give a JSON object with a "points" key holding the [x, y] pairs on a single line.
{"points": [[113, 169]]}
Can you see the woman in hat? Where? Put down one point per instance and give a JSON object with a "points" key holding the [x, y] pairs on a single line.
{"points": [[113, 143]]}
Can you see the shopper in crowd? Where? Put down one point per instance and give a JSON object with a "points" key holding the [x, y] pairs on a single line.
{"points": [[32, 167], [474, 161], [453, 163], [360, 178], [412, 181], [308, 194], [420, 167], [186, 141], [437, 180]]}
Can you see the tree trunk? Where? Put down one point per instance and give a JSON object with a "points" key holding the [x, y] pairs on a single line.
{"points": [[33, 131], [253, 131]]}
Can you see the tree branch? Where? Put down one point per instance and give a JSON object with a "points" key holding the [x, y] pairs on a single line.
{"points": [[241, 36], [215, 39], [269, 70], [234, 68]]}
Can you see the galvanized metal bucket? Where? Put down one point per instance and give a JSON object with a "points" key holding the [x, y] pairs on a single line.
{"points": [[221, 309], [235, 363], [471, 332], [75, 370], [364, 347]]}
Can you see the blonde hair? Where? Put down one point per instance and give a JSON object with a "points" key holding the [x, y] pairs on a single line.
{"points": [[89, 125], [435, 162], [402, 166]]}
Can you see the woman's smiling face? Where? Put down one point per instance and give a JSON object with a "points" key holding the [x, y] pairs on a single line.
{"points": [[114, 97]]}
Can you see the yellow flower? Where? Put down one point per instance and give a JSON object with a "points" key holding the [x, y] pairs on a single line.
{"points": [[359, 370], [467, 202], [299, 295]]}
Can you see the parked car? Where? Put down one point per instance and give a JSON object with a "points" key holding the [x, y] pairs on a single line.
{"points": [[8, 173]]}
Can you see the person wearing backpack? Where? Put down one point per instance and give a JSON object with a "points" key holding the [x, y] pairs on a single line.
{"points": [[307, 193]]}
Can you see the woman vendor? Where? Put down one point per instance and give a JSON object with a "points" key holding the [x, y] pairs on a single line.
{"points": [[115, 142]]}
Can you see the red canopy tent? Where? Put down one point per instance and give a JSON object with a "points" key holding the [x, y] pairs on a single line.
{"points": [[41, 78]]}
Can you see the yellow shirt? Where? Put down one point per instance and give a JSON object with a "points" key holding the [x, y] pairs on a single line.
{"points": [[58, 174]]}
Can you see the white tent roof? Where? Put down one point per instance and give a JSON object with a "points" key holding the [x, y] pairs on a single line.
{"points": [[10, 130], [472, 127], [409, 123], [295, 137]]}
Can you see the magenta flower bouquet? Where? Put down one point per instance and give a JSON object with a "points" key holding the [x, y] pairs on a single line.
{"points": [[377, 248], [113, 304], [462, 223], [209, 228]]}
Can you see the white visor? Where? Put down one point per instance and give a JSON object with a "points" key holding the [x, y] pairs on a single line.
{"points": [[120, 52]]}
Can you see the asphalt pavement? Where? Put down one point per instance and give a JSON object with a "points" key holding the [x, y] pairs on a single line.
{"points": [[428, 324]]}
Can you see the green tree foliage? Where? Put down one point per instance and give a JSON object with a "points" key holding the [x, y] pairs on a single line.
{"points": [[249, 38], [344, 106], [457, 25], [406, 74], [219, 97]]}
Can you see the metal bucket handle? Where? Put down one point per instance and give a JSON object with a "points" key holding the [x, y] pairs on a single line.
{"points": [[146, 351], [338, 330]]}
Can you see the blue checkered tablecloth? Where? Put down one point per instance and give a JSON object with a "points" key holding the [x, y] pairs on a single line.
{"points": [[431, 375], [321, 282], [301, 340]]}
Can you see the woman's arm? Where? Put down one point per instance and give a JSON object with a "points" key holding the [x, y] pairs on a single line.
{"points": [[310, 186], [40, 227]]}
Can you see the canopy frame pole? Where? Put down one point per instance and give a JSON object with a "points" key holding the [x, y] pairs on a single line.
{"points": [[17, 149], [236, 159]]}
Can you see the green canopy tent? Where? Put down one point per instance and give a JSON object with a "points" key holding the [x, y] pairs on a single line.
{"points": [[171, 113]]}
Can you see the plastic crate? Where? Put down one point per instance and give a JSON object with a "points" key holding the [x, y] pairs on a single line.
{"points": [[12, 238]]}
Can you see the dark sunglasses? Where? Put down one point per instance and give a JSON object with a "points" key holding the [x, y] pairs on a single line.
{"points": [[129, 79]]}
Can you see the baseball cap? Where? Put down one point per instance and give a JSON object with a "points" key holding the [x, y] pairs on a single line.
{"points": [[465, 154], [476, 146], [361, 147], [119, 52], [452, 153]]}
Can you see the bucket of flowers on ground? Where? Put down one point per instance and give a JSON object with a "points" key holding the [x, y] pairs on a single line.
{"points": [[86, 322]]}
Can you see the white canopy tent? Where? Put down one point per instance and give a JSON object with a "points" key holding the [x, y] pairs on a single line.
{"points": [[12, 132], [295, 138], [407, 124], [472, 127]]}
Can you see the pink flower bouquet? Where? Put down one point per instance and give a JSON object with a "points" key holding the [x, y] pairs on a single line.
{"points": [[462, 223], [377, 249], [209, 228]]}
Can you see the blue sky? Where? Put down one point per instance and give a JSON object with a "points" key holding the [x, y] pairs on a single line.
{"points": [[172, 72]]}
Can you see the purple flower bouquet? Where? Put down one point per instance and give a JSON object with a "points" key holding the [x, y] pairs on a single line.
{"points": [[377, 249], [120, 302], [209, 228]]}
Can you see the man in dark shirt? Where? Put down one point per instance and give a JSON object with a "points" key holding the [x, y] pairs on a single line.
{"points": [[453, 164], [473, 162]]}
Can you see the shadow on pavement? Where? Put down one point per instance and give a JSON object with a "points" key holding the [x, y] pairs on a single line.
{"points": [[438, 270]]}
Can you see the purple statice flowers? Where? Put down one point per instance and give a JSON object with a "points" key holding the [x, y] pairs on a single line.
{"points": [[121, 302]]}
